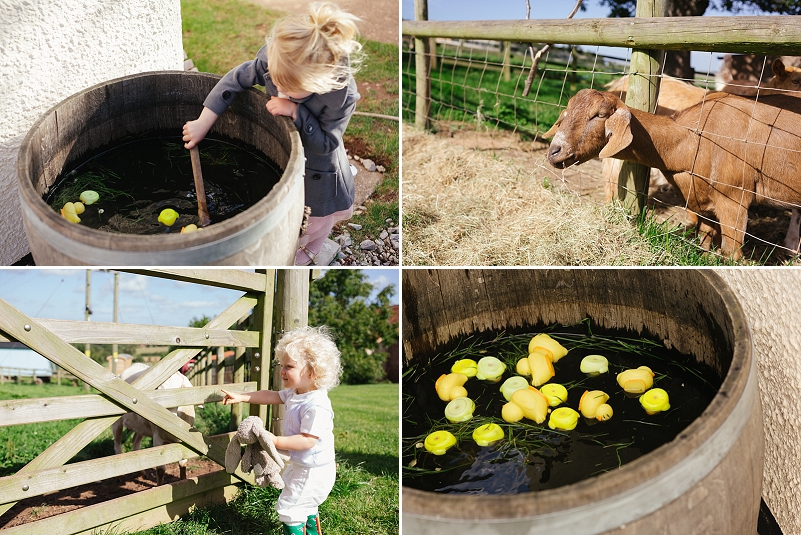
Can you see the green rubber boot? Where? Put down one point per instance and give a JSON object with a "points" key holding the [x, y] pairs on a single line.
{"points": [[297, 529], [313, 525]]}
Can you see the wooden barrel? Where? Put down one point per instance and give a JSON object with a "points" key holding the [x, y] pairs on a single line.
{"points": [[264, 234], [707, 480]]}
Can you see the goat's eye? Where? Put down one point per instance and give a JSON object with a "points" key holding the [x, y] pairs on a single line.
{"points": [[796, 82]]}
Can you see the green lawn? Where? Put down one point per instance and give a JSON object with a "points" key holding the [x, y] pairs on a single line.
{"points": [[365, 498], [221, 34]]}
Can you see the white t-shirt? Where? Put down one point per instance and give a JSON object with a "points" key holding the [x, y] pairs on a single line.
{"points": [[309, 413]]}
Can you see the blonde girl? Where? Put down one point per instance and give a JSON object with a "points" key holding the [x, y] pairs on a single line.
{"points": [[307, 68], [310, 367]]}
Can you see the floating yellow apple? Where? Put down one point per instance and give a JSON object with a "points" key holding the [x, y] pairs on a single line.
{"points": [[490, 369], [594, 364], [551, 346], [556, 394], [189, 228], [450, 386], [528, 403], [654, 401], [636, 381], [486, 434], [511, 385], [467, 367], [460, 409], [563, 418], [438, 442], [168, 216], [79, 207], [590, 401]]}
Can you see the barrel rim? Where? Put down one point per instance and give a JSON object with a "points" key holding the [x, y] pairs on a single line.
{"points": [[170, 242], [421, 505]]}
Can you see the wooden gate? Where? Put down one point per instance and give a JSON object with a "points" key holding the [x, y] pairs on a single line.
{"points": [[52, 338]]}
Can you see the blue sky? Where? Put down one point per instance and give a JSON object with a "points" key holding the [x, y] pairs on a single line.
{"points": [[61, 294], [540, 9]]}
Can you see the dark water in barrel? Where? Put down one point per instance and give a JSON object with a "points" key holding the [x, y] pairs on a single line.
{"points": [[536, 457], [139, 177]]}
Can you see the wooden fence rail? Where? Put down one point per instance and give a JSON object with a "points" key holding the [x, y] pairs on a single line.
{"points": [[747, 35], [246, 326]]}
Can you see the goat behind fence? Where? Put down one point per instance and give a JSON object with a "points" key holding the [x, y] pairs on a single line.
{"points": [[476, 88]]}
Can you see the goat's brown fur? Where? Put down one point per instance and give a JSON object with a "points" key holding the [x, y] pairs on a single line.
{"points": [[700, 150]]}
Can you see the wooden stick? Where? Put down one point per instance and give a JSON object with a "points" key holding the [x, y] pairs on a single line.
{"points": [[202, 211]]}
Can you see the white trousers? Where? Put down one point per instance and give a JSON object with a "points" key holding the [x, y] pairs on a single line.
{"points": [[304, 490]]}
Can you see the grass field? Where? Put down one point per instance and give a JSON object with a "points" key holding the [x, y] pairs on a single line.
{"points": [[221, 34], [365, 498], [468, 86]]}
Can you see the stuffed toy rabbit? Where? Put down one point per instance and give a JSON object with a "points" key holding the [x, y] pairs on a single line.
{"points": [[260, 453]]}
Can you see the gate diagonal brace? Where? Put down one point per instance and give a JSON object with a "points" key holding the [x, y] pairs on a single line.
{"points": [[25, 330]]}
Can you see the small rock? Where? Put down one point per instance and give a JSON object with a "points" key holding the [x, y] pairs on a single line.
{"points": [[368, 245], [381, 169], [369, 165], [355, 226], [383, 235]]}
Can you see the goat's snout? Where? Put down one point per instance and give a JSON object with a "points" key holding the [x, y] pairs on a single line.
{"points": [[559, 155]]}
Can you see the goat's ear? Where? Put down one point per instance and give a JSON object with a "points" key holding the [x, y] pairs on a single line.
{"points": [[555, 127], [778, 68], [618, 133]]}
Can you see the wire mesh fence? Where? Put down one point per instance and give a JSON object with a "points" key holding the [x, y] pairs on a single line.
{"points": [[477, 92]]}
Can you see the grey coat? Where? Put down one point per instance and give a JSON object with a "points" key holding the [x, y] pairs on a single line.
{"points": [[321, 122]]}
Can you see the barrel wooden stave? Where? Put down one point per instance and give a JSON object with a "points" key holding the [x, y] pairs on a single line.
{"points": [[99, 115]]}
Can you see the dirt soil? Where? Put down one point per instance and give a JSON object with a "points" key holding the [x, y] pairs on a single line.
{"points": [[54, 503], [767, 225]]}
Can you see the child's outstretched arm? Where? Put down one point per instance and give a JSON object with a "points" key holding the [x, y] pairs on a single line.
{"points": [[195, 131], [260, 397], [300, 442]]}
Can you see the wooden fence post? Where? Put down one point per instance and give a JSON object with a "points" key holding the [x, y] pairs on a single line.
{"points": [[292, 312], [238, 362], [422, 69], [261, 359], [644, 71], [220, 379]]}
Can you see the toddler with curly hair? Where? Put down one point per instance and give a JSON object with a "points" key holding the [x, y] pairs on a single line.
{"points": [[310, 367]]}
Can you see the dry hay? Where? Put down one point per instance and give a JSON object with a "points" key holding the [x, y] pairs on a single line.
{"points": [[463, 207]]}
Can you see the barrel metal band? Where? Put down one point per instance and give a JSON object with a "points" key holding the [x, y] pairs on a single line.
{"points": [[613, 512], [204, 254]]}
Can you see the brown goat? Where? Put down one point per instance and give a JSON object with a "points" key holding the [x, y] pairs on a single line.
{"points": [[786, 78], [700, 150], [674, 95]]}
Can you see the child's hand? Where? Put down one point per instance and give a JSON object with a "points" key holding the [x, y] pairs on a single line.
{"points": [[195, 131], [282, 106], [193, 134], [230, 398]]}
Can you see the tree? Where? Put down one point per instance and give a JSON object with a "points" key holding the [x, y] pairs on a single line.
{"points": [[341, 300], [677, 62]]}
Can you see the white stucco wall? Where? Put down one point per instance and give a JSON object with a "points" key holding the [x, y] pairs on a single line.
{"points": [[51, 49], [771, 299]]}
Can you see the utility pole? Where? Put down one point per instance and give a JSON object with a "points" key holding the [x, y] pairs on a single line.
{"points": [[87, 316], [114, 353]]}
